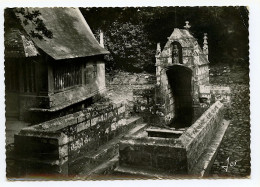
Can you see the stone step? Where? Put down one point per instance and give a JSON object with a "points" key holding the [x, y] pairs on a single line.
{"points": [[164, 132], [93, 159], [103, 171]]}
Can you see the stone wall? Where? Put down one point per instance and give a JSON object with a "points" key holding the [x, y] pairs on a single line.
{"points": [[154, 105], [197, 137], [127, 87], [167, 100], [172, 155], [50, 147], [126, 78], [144, 103], [202, 74], [221, 93], [160, 154], [77, 94]]}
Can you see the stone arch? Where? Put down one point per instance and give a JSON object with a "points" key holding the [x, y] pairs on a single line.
{"points": [[176, 50], [180, 80]]}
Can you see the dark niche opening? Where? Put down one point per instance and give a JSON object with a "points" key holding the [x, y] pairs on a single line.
{"points": [[179, 78], [176, 53]]}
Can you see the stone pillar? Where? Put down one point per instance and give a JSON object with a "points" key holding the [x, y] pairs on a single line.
{"points": [[158, 64], [158, 50], [101, 42], [158, 71], [50, 77]]}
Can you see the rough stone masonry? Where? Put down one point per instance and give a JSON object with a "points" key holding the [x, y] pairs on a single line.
{"points": [[56, 146]]}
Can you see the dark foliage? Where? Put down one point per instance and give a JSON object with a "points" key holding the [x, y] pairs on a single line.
{"points": [[131, 33], [33, 17]]}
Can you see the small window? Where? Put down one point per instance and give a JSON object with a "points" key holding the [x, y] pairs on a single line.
{"points": [[66, 75]]}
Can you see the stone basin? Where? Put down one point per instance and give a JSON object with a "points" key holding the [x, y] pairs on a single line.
{"points": [[189, 152]]}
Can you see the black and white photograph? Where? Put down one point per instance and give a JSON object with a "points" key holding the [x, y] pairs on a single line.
{"points": [[123, 93]]}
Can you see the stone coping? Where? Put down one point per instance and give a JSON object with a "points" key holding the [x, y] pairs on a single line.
{"points": [[165, 130], [54, 125], [187, 135], [201, 122], [194, 141], [68, 103]]}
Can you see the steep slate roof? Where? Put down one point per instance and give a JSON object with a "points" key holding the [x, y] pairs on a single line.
{"points": [[72, 36], [18, 45], [184, 37], [13, 44]]}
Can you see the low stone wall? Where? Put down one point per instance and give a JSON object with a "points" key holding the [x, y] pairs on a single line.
{"points": [[127, 78], [221, 93], [156, 107], [51, 147], [161, 154], [197, 137], [172, 155], [144, 103], [215, 93]]}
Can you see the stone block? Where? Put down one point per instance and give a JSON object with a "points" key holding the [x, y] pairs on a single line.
{"points": [[151, 155]]}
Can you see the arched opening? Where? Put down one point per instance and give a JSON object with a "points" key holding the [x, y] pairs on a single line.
{"points": [[179, 78], [176, 53]]}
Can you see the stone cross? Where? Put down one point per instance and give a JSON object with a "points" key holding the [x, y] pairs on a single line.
{"points": [[187, 26]]}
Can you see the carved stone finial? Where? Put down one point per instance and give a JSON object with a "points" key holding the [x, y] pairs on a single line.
{"points": [[158, 47], [187, 26], [205, 38], [158, 50]]}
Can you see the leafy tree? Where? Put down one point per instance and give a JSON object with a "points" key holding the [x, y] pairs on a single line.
{"points": [[227, 29], [27, 17]]}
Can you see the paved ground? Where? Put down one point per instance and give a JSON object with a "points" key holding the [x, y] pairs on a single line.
{"points": [[235, 148]]}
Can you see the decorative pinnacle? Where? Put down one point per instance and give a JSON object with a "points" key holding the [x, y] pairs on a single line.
{"points": [[158, 47], [187, 26], [205, 38], [205, 45]]}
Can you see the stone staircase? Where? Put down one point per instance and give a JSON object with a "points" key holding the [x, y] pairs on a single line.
{"points": [[104, 159]]}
